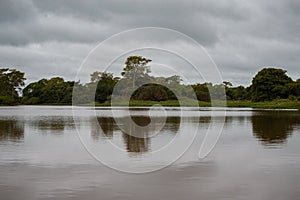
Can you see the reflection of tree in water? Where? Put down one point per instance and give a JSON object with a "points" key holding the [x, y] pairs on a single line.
{"points": [[108, 126], [133, 142], [232, 121], [52, 124], [141, 120], [138, 141], [172, 124], [274, 127], [11, 130]]}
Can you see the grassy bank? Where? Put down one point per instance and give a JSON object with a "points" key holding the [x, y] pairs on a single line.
{"points": [[277, 104]]}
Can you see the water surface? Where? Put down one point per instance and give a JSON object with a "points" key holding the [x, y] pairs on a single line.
{"points": [[41, 156]]}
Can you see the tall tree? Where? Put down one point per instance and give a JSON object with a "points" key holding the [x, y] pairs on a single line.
{"points": [[136, 69]]}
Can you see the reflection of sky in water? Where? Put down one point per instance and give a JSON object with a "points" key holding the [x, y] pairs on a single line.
{"points": [[42, 125], [41, 156]]}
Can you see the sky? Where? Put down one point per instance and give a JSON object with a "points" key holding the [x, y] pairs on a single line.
{"points": [[46, 38]]}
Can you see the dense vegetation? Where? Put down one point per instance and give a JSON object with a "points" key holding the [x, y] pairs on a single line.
{"points": [[269, 84], [11, 82], [55, 90]]}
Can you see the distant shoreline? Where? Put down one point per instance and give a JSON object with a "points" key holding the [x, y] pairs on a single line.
{"points": [[276, 104]]}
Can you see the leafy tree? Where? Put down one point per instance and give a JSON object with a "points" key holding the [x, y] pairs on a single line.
{"points": [[294, 89], [227, 84], [33, 91], [11, 81], [136, 69], [96, 76], [269, 84], [105, 85], [173, 80], [151, 92], [202, 92], [217, 91], [99, 88], [171, 85], [237, 93], [83, 93], [54, 90]]}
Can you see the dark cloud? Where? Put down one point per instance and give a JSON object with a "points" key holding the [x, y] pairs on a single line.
{"points": [[12, 11], [51, 37]]}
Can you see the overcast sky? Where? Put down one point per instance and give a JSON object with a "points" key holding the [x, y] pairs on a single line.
{"points": [[46, 38]]}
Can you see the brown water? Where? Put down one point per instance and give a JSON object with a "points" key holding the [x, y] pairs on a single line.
{"points": [[41, 156]]}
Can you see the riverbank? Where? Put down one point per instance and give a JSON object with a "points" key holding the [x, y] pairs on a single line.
{"points": [[276, 104]]}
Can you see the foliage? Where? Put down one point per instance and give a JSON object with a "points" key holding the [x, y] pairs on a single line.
{"points": [[268, 89], [269, 84], [54, 90], [151, 92], [11, 81], [105, 85], [202, 92], [136, 69], [294, 88], [217, 91], [237, 93]]}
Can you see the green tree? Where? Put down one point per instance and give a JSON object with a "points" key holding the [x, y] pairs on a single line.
{"points": [[52, 91], [227, 84], [217, 91], [202, 92], [294, 88], [269, 84], [136, 69], [151, 92], [33, 91], [105, 84], [237, 93], [11, 81]]}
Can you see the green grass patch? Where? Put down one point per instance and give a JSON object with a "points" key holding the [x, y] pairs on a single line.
{"points": [[276, 104]]}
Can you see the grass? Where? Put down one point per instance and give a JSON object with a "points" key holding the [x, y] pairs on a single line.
{"points": [[276, 104]]}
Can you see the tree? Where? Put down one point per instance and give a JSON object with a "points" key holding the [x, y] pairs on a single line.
{"points": [[269, 84], [136, 69], [33, 91], [173, 80], [105, 85], [201, 91], [172, 86], [217, 91], [227, 84], [11, 81], [54, 90], [294, 89], [151, 92], [236, 93], [96, 76]]}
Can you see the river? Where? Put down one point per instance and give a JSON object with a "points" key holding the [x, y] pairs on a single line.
{"points": [[52, 152]]}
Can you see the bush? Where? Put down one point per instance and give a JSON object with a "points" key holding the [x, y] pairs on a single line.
{"points": [[7, 100]]}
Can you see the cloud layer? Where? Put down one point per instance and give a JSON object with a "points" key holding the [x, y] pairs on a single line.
{"points": [[48, 38]]}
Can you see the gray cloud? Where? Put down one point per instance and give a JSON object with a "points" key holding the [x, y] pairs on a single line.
{"points": [[51, 37]]}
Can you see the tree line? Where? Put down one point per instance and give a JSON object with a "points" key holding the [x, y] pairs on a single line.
{"points": [[267, 85]]}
